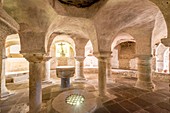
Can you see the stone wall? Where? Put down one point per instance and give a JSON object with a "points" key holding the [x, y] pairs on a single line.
{"points": [[133, 73], [16, 65]]}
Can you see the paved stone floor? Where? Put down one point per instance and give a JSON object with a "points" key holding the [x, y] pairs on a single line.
{"points": [[128, 99]]}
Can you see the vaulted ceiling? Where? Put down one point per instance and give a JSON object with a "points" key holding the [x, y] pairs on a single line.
{"points": [[101, 21]]}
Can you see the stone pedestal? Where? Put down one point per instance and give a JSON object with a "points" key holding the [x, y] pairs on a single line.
{"points": [[65, 72], [3, 90], [79, 69], [144, 80], [35, 74], [46, 71]]}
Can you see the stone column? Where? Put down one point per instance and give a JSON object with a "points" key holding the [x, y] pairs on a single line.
{"points": [[46, 70], [102, 71], [79, 68], [102, 75], [35, 74], [144, 73], [3, 90]]}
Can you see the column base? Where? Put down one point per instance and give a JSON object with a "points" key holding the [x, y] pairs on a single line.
{"points": [[111, 81], [47, 82], [145, 85], [80, 80], [6, 94], [65, 82]]}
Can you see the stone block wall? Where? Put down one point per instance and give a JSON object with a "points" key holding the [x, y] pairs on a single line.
{"points": [[16, 65]]}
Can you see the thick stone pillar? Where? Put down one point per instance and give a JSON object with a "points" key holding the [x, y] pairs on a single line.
{"points": [[3, 90], [35, 74], [144, 73], [102, 71], [79, 68], [46, 70]]}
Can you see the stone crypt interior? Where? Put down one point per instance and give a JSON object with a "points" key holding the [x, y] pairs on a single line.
{"points": [[84, 56]]}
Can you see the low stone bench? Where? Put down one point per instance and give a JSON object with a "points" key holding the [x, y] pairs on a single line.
{"points": [[18, 76]]}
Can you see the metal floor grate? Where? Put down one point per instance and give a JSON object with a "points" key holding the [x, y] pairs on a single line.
{"points": [[75, 99]]}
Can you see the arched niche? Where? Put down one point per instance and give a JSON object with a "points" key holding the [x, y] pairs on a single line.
{"points": [[123, 40], [15, 62], [90, 61], [126, 52], [160, 50], [66, 43], [166, 61]]}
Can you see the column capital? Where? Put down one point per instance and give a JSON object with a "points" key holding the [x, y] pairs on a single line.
{"points": [[79, 58], [34, 57], [47, 58], [144, 56], [32, 42], [103, 54]]}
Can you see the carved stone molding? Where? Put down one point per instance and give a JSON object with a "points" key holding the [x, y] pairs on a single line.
{"points": [[37, 57]]}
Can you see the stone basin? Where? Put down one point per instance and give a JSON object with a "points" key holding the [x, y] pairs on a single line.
{"points": [[65, 72]]}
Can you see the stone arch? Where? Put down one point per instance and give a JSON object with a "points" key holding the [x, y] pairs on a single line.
{"points": [[15, 61], [56, 38], [116, 44], [75, 27], [12, 40], [64, 38], [120, 38], [55, 34], [127, 17], [160, 29], [90, 60], [164, 7], [10, 43], [166, 61]]}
